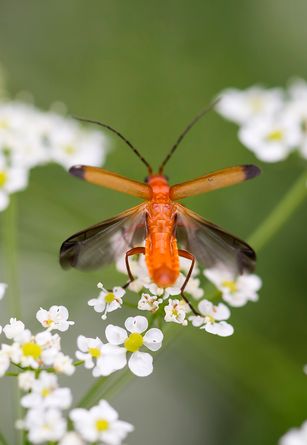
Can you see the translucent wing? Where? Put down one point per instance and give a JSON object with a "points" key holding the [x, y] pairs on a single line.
{"points": [[105, 242], [211, 245]]}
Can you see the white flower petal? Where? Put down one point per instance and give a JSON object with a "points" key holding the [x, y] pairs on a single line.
{"points": [[141, 364], [223, 329], [137, 324], [115, 334], [153, 339]]}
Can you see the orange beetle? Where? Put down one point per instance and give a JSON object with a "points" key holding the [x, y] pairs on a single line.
{"points": [[161, 222]]}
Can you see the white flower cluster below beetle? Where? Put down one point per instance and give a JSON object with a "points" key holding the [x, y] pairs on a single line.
{"points": [[236, 291], [273, 122]]}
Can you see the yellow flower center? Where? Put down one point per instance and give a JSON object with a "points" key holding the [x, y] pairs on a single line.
{"points": [[70, 149], [275, 136], [48, 322], [231, 285], [3, 178], [134, 342], [210, 319], [175, 312], [45, 392], [102, 425], [109, 297], [95, 352], [31, 349]]}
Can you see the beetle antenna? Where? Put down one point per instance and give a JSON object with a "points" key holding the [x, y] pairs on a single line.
{"points": [[121, 136], [185, 131]]}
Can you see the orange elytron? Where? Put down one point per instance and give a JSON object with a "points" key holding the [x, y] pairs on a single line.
{"points": [[169, 229]]}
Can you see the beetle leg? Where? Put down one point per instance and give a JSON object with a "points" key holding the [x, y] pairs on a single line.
{"points": [[189, 256], [133, 251]]}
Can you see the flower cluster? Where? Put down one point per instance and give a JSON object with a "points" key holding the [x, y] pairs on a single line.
{"points": [[30, 137], [46, 422], [236, 291], [39, 359], [37, 351], [273, 122]]}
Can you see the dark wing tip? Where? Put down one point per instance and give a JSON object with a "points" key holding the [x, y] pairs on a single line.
{"points": [[68, 255], [251, 171], [246, 259], [77, 170]]}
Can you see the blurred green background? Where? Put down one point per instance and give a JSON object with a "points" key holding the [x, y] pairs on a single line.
{"points": [[147, 68]]}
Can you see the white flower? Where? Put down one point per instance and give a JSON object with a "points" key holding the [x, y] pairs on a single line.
{"points": [[176, 311], [236, 291], [107, 301], [71, 145], [155, 290], [46, 394], [12, 179], [212, 319], [63, 364], [149, 302], [26, 380], [100, 424], [241, 106], [3, 287], [140, 363], [13, 352], [30, 137], [16, 331], [296, 436], [297, 90], [55, 318], [34, 351], [168, 291], [90, 350], [271, 139], [44, 425], [103, 358], [193, 288], [4, 362], [71, 438], [20, 134]]}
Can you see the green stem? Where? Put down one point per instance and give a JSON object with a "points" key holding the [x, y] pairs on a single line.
{"points": [[3, 441], [10, 246], [280, 214], [87, 398], [12, 374]]}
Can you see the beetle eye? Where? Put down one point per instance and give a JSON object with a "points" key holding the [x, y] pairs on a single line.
{"points": [[146, 179]]}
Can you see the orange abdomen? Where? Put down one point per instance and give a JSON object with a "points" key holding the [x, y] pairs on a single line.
{"points": [[161, 251]]}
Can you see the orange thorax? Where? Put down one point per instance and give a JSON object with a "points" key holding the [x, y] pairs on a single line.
{"points": [[161, 251]]}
